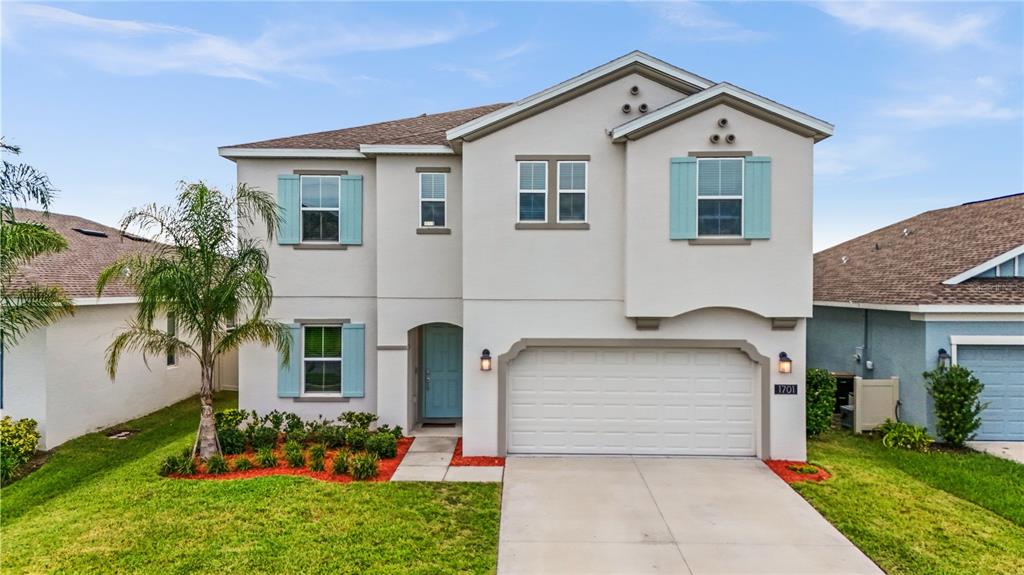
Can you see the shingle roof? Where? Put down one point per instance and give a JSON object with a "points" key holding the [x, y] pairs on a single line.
{"points": [[426, 129], [77, 268], [887, 266]]}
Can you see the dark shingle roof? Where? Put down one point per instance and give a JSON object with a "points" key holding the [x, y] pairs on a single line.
{"points": [[887, 266], [427, 129], [77, 268]]}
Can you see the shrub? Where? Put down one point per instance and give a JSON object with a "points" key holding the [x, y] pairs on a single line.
{"points": [[297, 435], [232, 440], [365, 466], [265, 458], [821, 400], [230, 418], [316, 457], [355, 438], [358, 419], [187, 463], [170, 465], [275, 420], [395, 431], [384, 445], [216, 464], [263, 437], [293, 423], [243, 464], [18, 440], [294, 455], [896, 434], [332, 436], [339, 465], [956, 391]]}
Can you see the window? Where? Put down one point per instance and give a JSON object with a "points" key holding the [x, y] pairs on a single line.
{"points": [[533, 191], [572, 191], [172, 330], [720, 196], [321, 359], [321, 214], [433, 196]]}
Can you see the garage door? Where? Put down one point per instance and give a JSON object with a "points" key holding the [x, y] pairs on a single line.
{"points": [[1001, 369], [632, 401]]}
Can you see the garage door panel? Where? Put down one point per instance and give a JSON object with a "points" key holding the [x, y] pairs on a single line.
{"points": [[641, 401], [1001, 369]]}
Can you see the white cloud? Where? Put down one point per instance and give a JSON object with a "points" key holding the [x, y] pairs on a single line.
{"points": [[868, 158], [143, 48], [700, 23], [476, 74], [514, 51], [909, 22], [952, 103]]}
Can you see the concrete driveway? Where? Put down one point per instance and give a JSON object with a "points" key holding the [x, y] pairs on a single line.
{"points": [[662, 515]]}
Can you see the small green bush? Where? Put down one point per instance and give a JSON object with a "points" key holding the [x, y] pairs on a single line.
{"points": [[333, 436], [216, 464], [396, 431], [187, 464], [294, 455], [896, 434], [275, 420], [297, 435], [365, 466], [230, 418], [358, 419], [384, 445], [265, 458], [955, 391], [821, 400], [316, 457], [170, 465], [355, 438], [339, 465], [18, 440], [243, 463], [293, 422], [263, 437], [232, 440]]}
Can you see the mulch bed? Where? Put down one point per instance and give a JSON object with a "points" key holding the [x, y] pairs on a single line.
{"points": [[781, 467], [387, 468], [458, 460]]}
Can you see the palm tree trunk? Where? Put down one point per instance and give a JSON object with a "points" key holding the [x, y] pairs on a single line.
{"points": [[207, 438]]}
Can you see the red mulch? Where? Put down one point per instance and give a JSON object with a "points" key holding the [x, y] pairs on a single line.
{"points": [[458, 460], [781, 468], [387, 468]]}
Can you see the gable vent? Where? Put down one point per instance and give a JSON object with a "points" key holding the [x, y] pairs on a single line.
{"points": [[93, 233]]}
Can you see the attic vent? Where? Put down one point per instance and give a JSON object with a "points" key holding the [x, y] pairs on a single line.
{"points": [[844, 259], [906, 232], [88, 232], [135, 238]]}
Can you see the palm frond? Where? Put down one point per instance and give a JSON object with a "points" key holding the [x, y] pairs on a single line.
{"points": [[262, 331], [28, 308], [138, 337], [22, 241]]}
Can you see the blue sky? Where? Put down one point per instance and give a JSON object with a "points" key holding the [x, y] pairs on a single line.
{"points": [[118, 101]]}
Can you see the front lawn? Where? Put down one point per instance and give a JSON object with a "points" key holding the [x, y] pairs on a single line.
{"points": [[98, 506], [922, 513]]}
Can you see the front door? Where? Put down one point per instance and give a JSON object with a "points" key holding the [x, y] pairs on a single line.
{"points": [[442, 371]]}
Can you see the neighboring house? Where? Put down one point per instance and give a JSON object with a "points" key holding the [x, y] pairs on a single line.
{"points": [[611, 265], [57, 374], [947, 282]]}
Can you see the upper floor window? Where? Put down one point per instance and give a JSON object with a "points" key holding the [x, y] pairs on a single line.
{"points": [[720, 197], [321, 212], [321, 359], [433, 199], [533, 191], [572, 191]]}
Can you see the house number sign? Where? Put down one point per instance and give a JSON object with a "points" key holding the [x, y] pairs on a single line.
{"points": [[785, 389]]}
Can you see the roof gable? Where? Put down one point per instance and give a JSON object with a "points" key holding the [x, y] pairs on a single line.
{"points": [[1006, 265]]}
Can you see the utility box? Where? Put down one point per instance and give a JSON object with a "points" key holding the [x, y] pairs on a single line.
{"points": [[872, 402]]}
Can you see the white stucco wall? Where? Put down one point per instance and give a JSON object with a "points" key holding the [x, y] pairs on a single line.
{"points": [[24, 379]]}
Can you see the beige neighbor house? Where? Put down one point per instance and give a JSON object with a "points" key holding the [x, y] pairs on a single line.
{"points": [[57, 374], [610, 266]]}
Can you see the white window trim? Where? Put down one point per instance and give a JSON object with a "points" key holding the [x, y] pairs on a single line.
{"points": [[585, 191], [304, 209], [985, 266], [340, 360], [519, 186], [444, 200], [958, 340], [743, 184]]}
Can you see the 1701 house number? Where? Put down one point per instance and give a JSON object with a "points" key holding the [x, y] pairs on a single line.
{"points": [[785, 389]]}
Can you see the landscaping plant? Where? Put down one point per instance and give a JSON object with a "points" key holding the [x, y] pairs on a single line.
{"points": [[262, 437], [955, 391], [358, 419], [170, 464], [18, 440], [340, 463], [186, 463], [355, 438], [242, 463], [396, 431], [294, 455], [232, 440], [216, 465], [206, 272], [230, 418], [821, 400], [265, 458], [364, 466], [897, 434], [316, 457], [384, 445]]}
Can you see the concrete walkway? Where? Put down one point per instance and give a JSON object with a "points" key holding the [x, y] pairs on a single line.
{"points": [[428, 460], [1012, 450], [663, 515]]}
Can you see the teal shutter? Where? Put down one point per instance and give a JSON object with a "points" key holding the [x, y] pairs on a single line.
{"points": [[352, 210], [683, 199], [353, 360], [289, 374], [757, 198], [289, 209]]}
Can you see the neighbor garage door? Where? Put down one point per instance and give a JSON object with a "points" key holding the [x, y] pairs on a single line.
{"points": [[632, 401], [1001, 369]]}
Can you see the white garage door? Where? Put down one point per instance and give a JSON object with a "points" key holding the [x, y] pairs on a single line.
{"points": [[632, 401]]}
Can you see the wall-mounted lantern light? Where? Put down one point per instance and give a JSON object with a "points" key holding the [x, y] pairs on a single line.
{"points": [[785, 363], [944, 357], [485, 360]]}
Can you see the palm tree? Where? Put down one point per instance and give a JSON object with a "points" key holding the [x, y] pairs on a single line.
{"points": [[30, 306], [208, 276]]}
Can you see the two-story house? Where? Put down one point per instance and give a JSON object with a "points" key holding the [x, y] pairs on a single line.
{"points": [[614, 265]]}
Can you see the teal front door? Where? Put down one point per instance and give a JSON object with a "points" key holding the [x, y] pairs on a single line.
{"points": [[442, 372]]}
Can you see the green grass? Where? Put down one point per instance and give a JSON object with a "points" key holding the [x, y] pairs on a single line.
{"points": [[922, 513], [97, 506]]}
